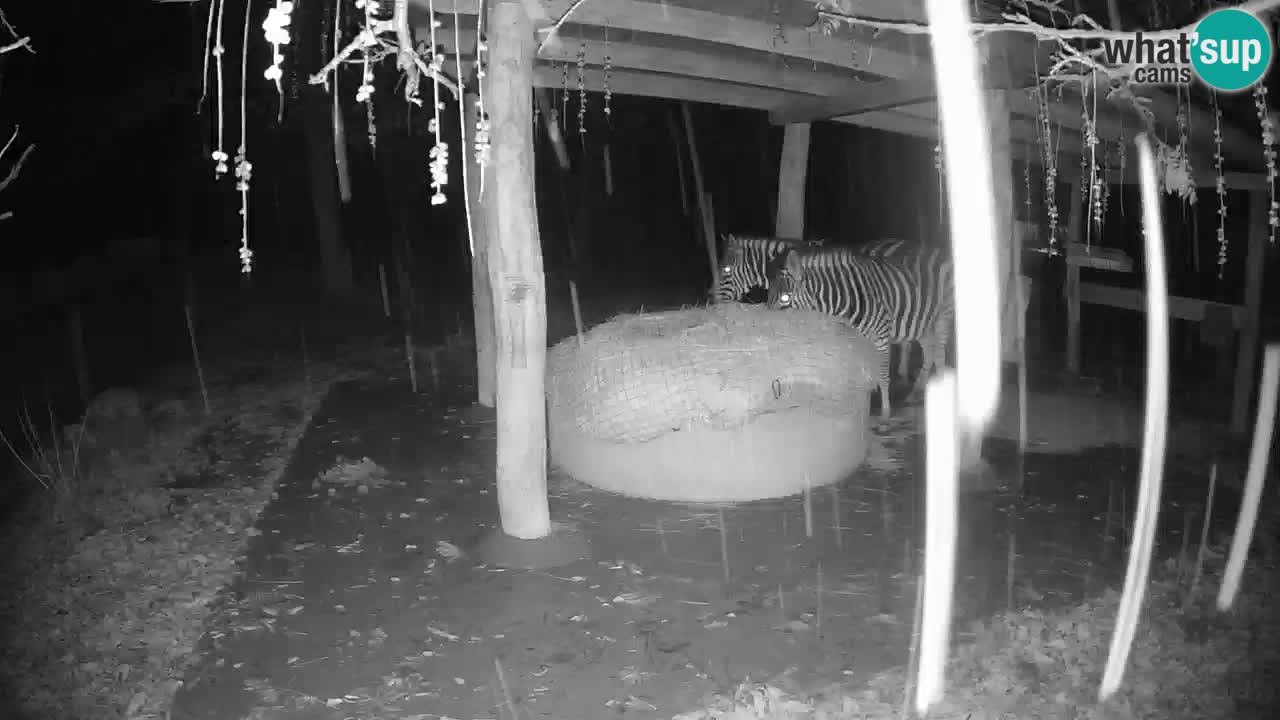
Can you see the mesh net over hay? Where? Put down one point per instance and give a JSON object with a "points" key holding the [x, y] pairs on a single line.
{"points": [[722, 403]]}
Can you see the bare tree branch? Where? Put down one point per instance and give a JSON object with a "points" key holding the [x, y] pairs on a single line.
{"points": [[23, 42], [17, 167]]}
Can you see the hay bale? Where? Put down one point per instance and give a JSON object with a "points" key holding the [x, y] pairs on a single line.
{"points": [[715, 404], [637, 377], [774, 456]]}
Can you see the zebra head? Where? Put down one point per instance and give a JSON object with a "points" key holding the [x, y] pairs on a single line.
{"points": [[788, 282], [747, 262], [734, 277]]}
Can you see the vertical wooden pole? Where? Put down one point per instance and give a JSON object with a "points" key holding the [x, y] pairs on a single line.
{"points": [[792, 171], [1075, 231], [704, 198], [481, 293], [516, 279], [1255, 266], [681, 170], [1002, 184]]}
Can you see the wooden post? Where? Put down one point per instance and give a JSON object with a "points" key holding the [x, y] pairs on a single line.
{"points": [[481, 293], [704, 204], [1004, 225], [1255, 265], [792, 171], [516, 279], [1071, 288]]}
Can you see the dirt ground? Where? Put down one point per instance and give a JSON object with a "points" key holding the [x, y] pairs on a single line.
{"points": [[360, 598]]}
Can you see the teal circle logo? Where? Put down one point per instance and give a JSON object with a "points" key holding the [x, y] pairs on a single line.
{"points": [[1231, 49]]}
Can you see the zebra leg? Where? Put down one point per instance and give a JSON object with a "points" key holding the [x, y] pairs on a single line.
{"points": [[929, 364], [884, 376], [904, 361]]}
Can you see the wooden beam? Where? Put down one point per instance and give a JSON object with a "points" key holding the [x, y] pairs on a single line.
{"points": [[792, 173], [886, 95], [516, 279], [1206, 178], [481, 293], [740, 67], [661, 18], [1180, 308], [1255, 270], [671, 87], [894, 121]]}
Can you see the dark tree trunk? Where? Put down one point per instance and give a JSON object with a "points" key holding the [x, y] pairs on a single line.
{"points": [[316, 107]]}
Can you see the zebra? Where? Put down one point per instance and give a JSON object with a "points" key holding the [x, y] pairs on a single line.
{"points": [[890, 300], [747, 261]]}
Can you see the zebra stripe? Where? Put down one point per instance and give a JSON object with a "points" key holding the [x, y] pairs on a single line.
{"points": [[746, 262], [889, 300]]}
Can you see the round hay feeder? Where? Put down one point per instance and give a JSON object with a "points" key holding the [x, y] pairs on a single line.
{"points": [[715, 404]]}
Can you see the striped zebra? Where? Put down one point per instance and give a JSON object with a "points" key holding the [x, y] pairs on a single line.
{"points": [[747, 261], [890, 300]]}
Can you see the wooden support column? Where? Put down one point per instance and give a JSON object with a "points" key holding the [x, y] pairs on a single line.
{"points": [[1247, 360], [516, 279], [481, 292], [1002, 186], [792, 171], [1071, 288]]}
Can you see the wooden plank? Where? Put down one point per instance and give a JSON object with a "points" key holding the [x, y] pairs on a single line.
{"points": [[1180, 308], [516, 278], [1098, 257], [1202, 171], [663, 19], [792, 173], [1249, 322]]}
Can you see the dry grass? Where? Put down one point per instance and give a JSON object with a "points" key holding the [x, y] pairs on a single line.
{"points": [[112, 573]]}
